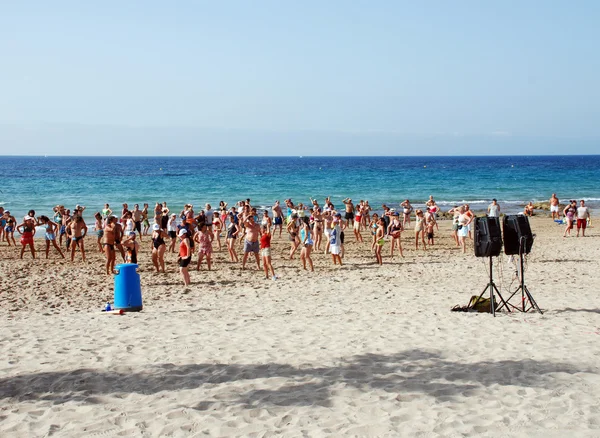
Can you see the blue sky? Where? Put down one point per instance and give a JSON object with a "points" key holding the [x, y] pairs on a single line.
{"points": [[326, 78]]}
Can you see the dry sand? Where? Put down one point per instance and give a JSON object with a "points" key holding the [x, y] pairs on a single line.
{"points": [[360, 350]]}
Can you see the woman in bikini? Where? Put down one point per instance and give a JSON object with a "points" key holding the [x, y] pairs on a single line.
{"points": [[27, 231], [233, 230], [158, 247], [217, 227], [372, 227], [379, 239], [202, 237], [406, 210], [132, 248], [99, 228], [145, 220], [357, 226], [317, 227], [292, 229], [420, 229], [9, 230], [109, 243], [265, 252], [395, 232], [307, 244], [50, 234], [266, 220]]}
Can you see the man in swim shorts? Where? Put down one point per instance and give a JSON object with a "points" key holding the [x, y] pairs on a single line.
{"points": [[251, 244], [137, 217], [277, 217], [349, 212], [554, 207], [583, 215]]}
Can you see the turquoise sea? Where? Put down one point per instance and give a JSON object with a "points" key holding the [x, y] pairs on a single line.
{"points": [[42, 182]]}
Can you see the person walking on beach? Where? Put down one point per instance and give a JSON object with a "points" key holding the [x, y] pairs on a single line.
{"points": [[554, 207], [494, 209], [185, 256], [251, 244], [569, 213], [583, 214], [9, 229], [27, 231], [50, 229]]}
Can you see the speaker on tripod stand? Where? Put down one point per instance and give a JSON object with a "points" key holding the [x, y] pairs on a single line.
{"points": [[488, 243], [518, 240]]}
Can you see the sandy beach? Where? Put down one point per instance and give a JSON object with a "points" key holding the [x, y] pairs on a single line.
{"points": [[360, 350]]}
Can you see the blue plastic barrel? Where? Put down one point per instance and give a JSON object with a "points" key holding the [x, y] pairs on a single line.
{"points": [[128, 291]]}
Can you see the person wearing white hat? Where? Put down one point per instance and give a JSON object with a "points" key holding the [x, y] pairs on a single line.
{"points": [[172, 231], [185, 256]]}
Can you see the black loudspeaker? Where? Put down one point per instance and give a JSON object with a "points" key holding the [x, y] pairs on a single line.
{"points": [[488, 240], [516, 229]]}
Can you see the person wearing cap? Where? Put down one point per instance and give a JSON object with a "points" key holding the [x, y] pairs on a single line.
{"points": [[185, 256], [494, 209], [251, 244], [158, 247]]}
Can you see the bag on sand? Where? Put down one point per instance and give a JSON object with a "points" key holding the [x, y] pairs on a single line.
{"points": [[480, 304]]}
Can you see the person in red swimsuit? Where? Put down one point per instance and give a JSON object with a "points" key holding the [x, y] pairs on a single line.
{"points": [[185, 256], [265, 251], [27, 230]]}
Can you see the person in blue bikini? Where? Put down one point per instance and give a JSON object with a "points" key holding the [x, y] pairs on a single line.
{"points": [[51, 229]]}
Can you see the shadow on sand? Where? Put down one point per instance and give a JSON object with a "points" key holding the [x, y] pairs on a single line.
{"points": [[412, 371]]}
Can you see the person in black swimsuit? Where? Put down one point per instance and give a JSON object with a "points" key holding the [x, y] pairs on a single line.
{"points": [[158, 247]]}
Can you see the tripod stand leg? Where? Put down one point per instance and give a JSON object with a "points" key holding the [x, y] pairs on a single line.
{"points": [[504, 303], [532, 301]]}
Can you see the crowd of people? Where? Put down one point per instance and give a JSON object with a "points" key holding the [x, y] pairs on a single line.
{"points": [[310, 229]]}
